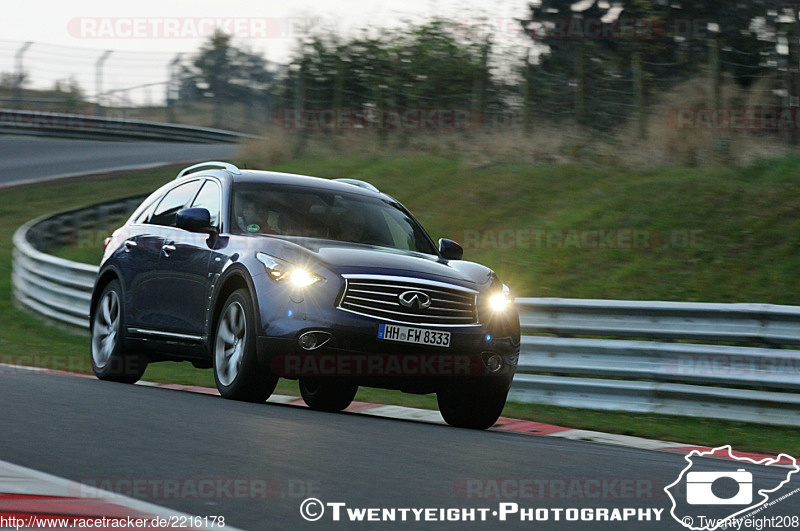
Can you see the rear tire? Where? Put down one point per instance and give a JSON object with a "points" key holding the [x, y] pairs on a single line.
{"points": [[471, 408], [110, 360], [327, 395], [237, 371]]}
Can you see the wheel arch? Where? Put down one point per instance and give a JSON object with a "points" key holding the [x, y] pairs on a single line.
{"points": [[104, 279], [234, 279]]}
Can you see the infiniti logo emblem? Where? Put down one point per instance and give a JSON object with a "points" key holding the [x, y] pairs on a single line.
{"points": [[414, 300]]}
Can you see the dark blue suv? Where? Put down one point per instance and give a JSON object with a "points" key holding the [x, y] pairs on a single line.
{"points": [[262, 275]]}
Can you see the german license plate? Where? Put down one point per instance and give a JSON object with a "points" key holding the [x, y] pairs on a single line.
{"points": [[406, 334]]}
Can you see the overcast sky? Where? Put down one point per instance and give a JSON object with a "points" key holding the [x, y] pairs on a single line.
{"points": [[52, 22], [146, 34]]}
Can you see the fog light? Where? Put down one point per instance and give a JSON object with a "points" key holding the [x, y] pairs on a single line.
{"points": [[313, 340], [494, 362]]}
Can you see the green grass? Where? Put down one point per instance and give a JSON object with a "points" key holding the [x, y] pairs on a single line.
{"points": [[746, 218], [745, 222]]}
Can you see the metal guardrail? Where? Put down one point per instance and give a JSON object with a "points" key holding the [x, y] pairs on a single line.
{"points": [[96, 128], [754, 380], [725, 361], [54, 287]]}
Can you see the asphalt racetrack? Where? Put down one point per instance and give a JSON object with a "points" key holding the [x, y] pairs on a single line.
{"points": [[137, 440], [37, 158], [256, 464]]}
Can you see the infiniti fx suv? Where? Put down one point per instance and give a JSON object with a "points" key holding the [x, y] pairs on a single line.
{"points": [[260, 275]]}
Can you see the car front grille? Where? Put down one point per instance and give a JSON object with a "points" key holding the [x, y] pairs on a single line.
{"points": [[380, 297]]}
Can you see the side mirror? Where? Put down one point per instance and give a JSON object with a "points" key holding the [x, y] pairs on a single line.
{"points": [[450, 250], [194, 219]]}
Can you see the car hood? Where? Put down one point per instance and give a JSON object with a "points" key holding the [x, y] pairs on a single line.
{"points": [[347, 258]]}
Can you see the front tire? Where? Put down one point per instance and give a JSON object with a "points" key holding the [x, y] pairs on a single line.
{"points": [[237, 371], [471, 408], [110, 360], [327, 395]]}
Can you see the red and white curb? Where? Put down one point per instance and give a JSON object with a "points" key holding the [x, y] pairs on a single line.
{"points": [[33, 499], [503, 424]]}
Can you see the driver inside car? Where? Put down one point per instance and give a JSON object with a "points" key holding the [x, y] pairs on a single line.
{"points": [[253, 219]]}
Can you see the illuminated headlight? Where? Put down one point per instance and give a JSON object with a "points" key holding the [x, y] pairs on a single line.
{"points": [[302, 277], [501, 300], [279, 270]]}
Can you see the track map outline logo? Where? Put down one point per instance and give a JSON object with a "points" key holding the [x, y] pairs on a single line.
{"points": [[699, 498]]}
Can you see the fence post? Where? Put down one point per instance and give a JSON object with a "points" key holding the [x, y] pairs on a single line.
{"points": [[173, 87], [338, 96], [716, 87], [479, 86], [380, 107], [638, 94], [527, 96], [98, 81], [19, 74], [792, 73], [580, 74], [299, 103]]}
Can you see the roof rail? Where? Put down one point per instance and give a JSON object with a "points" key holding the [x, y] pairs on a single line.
{"points": [[210, 164], [360, 184]]}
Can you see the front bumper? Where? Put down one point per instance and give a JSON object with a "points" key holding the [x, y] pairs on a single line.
{"points": [[355, 353]]}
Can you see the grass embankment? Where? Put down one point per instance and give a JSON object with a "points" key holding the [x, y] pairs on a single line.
{"points": [[715, 234]]}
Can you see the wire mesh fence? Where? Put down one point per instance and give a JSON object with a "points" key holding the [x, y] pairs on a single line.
{"points": [[719, 90]]}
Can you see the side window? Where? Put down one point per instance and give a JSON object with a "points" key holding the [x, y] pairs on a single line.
{"points": [[167, 209], [208, 198]]}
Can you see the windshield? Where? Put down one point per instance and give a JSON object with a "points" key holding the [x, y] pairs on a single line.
{"points": [[312, 213]]}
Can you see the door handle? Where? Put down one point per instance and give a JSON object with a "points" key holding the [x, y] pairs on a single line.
{"points": [[168, 248], [130, 244]]}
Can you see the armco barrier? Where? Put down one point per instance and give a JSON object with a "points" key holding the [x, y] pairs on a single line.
{"points": [[57, 288], [725, 361], [97, 128]]}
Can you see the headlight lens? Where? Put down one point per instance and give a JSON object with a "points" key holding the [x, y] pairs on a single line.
{"points": [[501, 300], [302, 277], [279, 270]]}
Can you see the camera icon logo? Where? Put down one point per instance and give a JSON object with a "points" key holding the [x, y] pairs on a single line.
{"points": [[700, 487]]}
